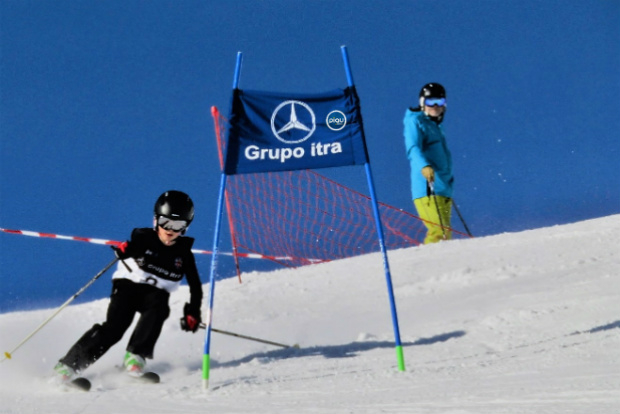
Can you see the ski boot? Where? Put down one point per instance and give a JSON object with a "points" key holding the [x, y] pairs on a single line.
{"points": [[63, 374], [134, 364]]}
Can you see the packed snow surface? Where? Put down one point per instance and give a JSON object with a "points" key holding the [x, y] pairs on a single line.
{"points": [[514, 323]]}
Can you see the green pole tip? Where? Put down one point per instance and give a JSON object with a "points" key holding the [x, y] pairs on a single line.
{"points": [[401, 358]]}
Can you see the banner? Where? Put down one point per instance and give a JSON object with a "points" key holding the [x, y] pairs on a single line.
{"points": [[284, 132]]}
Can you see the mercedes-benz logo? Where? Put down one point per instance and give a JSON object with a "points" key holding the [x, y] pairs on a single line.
{"points": [[296, 128]]}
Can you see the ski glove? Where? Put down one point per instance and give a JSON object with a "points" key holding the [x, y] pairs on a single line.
{"points": [[428, 173], [121, 251], [191, 318]]}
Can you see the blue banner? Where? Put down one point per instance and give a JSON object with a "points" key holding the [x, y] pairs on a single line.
{"points": [[284, 132]]}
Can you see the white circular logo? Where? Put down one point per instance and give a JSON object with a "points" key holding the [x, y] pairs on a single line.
{"points": [[296, 125], [336, 120]]}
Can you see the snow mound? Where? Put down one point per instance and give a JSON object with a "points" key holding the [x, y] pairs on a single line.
{"points": [[515, 323]]}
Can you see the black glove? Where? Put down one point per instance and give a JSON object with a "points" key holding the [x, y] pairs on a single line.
{"points": [[121, 250], [191, 318]]}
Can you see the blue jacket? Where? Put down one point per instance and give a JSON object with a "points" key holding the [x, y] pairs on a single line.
{"points": [[426, 145]]}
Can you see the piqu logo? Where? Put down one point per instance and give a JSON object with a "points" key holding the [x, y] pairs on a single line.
{"points": [[336, 120]]}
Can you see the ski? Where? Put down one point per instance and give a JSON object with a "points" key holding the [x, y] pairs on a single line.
{"points": [[79, 383], [83, 384], [147, 377]]}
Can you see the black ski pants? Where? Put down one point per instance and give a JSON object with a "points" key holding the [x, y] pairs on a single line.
{"points": [[127, 299]]}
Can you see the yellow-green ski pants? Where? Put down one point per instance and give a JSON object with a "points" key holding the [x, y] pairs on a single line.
{"points": [[428, 209]]}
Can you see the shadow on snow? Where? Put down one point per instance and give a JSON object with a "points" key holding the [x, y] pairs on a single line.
{"points": [[333, 351], [601, 328]]}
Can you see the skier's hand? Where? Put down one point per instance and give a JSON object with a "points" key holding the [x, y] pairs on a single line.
{"points": [[121, 251], [428, 173], [191, 318]]}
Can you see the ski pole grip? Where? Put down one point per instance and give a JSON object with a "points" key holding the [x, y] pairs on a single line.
{"points": [[114, 249]]}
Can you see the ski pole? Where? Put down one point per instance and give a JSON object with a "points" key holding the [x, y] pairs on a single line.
{"points": [[431, 187], [461, 218], [9, 354], [204, 326]]}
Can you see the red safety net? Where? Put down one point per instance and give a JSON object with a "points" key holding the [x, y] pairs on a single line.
{"points": [[297, 218]]}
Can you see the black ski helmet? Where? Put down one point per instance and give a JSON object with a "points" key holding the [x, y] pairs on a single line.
{"points": [[433, 90], [175, 205]]}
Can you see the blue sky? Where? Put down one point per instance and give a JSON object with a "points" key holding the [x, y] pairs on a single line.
{"points": [[104, 105]]}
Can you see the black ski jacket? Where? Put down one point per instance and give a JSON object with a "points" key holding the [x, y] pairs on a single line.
{"points": [[159, 265]]}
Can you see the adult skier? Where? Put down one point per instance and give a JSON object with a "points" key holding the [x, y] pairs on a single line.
{"points": [[154, 261], [431, 162]]}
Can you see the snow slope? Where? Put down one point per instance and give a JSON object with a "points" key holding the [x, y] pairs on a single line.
{"points": [[515, 323]]}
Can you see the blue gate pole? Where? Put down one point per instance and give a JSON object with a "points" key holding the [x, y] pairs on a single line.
{"points": [[206, 358], [375, 208]]}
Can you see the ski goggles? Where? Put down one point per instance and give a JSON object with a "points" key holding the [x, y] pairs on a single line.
{"points": [[167, 223], [435, 101]]}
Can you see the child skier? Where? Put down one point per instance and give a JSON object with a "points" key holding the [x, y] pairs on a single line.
{"points": [[154, 262]]}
